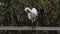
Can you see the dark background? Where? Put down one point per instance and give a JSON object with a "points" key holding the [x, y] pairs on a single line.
{"points": [[12, 14]]}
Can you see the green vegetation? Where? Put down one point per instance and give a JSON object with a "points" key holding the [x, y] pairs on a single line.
{"points": [[12, 13]]}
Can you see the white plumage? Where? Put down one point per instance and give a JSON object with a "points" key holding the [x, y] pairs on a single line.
{"points": [[32, 13]]}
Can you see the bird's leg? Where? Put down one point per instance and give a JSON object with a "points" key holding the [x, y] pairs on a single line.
{"points": [[32, 25]]}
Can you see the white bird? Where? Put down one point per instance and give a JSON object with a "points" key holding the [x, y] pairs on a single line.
{"points": [[32, 14]]}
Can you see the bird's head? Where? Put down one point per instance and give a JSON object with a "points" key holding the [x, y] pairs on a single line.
{"points": [[27, 9]]}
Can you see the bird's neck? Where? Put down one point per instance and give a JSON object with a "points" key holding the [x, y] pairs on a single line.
{"points": [[29, 9]]}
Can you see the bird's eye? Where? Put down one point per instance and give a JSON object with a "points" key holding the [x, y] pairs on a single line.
{"points": [[28, 11]]}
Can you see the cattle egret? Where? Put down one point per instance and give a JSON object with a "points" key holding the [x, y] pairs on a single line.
{"points": [[32, 14]]}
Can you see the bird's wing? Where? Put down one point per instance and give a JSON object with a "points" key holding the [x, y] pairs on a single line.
{"points": [[34, 11], [33, 16]]}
